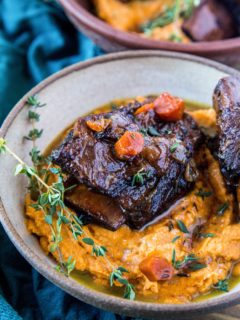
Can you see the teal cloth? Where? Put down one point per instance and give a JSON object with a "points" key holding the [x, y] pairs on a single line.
{"points": [[36, 40]]}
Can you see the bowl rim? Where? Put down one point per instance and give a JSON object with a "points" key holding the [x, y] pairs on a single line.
{"points": [[90, 21], [83, 293]]}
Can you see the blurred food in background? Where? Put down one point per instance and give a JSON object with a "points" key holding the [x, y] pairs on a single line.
{"points": [[173, 20]]}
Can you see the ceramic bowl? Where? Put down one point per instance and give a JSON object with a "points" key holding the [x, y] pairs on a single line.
{"points": [[111, 39], [75, 91]]}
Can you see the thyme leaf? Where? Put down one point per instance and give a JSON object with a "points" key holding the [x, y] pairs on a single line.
{"points": [[34, 134], [175, 239], [174, 146], [221, 210], [88, 241], [150, 131], [69, 266], [153, 132], [118, 275], [138, 178], [189, 262], [206, 235], [175, 38], [203, 194], [33, 101], [222, 285], [182, 226], [32, 115]]}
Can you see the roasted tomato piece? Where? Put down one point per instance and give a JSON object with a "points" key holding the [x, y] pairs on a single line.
{"points": [[145, 108], [129, 145], [169, 108], [98, 125], [156, 268]]}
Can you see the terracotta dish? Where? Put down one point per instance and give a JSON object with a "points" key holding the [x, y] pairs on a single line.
{"points": [[111, 40]]}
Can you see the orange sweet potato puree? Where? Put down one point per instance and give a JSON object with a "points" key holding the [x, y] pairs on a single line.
{"points": [[128, 247], [130, 16]]}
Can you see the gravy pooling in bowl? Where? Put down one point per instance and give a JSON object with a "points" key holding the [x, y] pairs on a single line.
{"points": [[192, 231]]}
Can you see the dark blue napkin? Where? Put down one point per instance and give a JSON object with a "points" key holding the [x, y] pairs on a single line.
{"points": [[36, 40]]}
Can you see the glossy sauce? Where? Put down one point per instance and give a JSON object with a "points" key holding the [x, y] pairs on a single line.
{"points": [[85, 278]]}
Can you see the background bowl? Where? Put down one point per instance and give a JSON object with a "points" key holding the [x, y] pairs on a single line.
{"points": [[73, 92], [111, 39]]}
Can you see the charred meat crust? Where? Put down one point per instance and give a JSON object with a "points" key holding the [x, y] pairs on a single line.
{"points": [[226, 101], [89, 157]]}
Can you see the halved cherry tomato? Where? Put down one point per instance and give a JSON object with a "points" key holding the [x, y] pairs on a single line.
{"points": [[98, 125], [144, 108], [156, 268], [129, 145], [169, 108]]}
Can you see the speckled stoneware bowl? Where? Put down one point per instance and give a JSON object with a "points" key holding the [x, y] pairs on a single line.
{"points": [[73, 92]]}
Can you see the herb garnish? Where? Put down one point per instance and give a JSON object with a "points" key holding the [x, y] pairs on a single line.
{"points": [[34, 134], [206, 235], [222, 285], [138, 178], [117, 275], [97, 250], [221, 210], [150, 131], [34, 102], [175, 239], [189, 262], [174, 146], [175, 38], [49, 199], [182, 226], [153, 132], [163, 20], [203, 194], [69, 266], [181, 9]]}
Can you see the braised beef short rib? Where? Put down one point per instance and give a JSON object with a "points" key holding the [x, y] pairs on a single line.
{"points": [[210, 21], [226, 101], [111, 196]]}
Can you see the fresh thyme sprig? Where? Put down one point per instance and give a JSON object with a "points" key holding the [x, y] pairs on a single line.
{"points": [[50, 201], [38, 160], [117, 275], [33, 116], [189, 262], [98, 251]]}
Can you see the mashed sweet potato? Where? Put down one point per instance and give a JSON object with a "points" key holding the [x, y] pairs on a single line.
{"points": [[128, 248], [132, 15]]}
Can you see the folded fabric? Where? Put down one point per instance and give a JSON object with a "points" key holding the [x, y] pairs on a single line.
{"points": [[36, 40]]}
